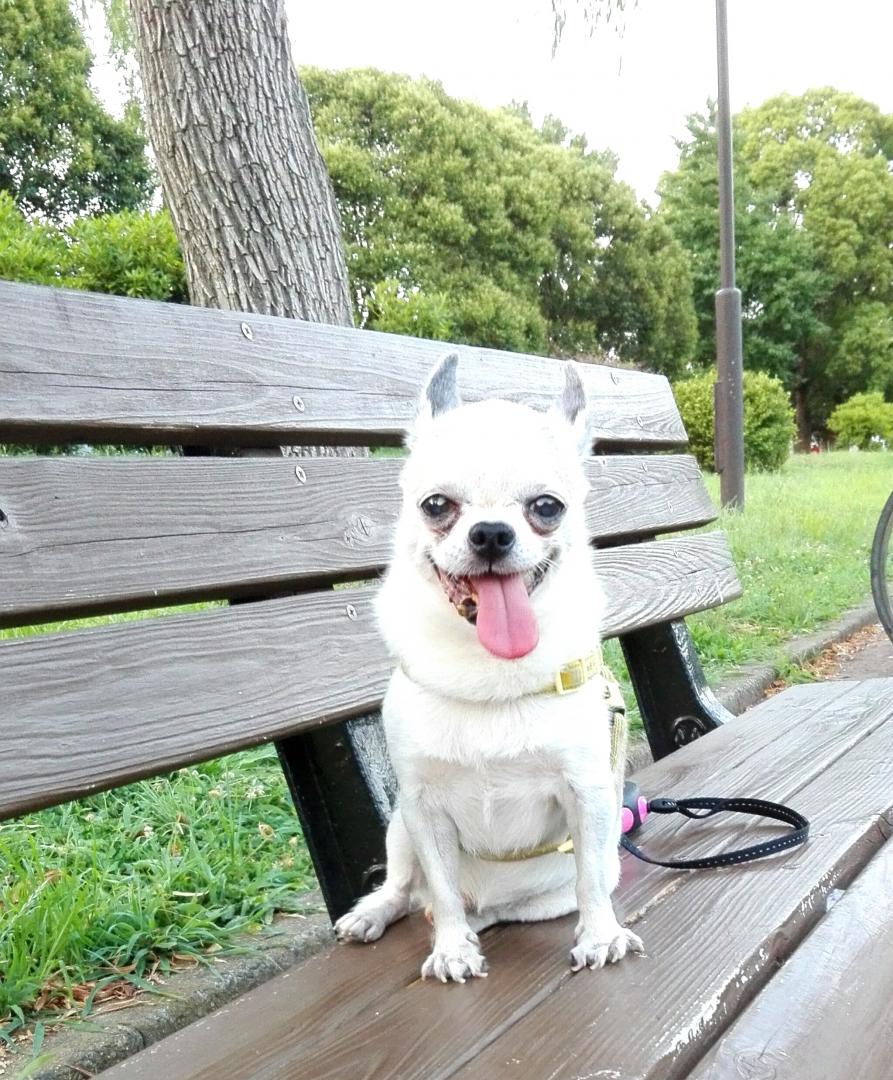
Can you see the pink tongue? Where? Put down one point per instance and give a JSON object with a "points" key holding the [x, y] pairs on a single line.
{"points": [[505, 624]]}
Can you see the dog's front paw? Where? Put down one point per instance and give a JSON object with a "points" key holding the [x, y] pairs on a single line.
{"points": [[605, 946], [360, 926], [455, 959]]}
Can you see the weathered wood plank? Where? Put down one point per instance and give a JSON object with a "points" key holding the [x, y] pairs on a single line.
{"points": [[83, 367], [706, 935], [645, 583], [718, 937], [93, 709], [826, 1014], [87, 536]]}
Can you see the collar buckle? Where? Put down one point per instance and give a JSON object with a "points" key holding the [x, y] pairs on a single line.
{"points": [[571, 677]]}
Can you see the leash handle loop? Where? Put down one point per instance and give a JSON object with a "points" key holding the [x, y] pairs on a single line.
{"points": [[698, 808]]}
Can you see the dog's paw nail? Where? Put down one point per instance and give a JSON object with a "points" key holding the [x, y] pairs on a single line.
{"points": [[455, 964], [635, 944], [596, 950]]}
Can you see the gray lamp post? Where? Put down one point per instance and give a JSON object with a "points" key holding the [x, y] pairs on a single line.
{"points": [[728, 400]]}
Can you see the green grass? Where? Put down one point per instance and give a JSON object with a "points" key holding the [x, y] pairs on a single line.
{"points": [[99, 891], [801, 547]]}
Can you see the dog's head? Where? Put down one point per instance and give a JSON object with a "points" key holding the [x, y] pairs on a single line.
{"points": [[493, 503]]}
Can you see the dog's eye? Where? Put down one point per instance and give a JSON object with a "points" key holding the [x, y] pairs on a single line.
{"points": [[546, 508], [437, 507]]}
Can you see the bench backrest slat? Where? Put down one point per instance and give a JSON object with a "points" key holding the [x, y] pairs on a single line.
{"points": [[93, 709], [83, 536], [78, 367]]}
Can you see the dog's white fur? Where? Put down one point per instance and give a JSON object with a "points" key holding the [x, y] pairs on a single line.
{"points": [[484, 762]]}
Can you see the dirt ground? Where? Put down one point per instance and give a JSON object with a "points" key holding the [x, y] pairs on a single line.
{"points": [[868, 654]]}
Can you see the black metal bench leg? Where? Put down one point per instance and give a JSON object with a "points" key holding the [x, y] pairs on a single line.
{"points": [[677, 706], [342, 786]]}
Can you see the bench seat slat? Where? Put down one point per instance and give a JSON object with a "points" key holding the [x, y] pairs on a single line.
{"points": [[737, 924], [838, 983], [96, 708], [712, 938], [88, 536], [80, 367]]}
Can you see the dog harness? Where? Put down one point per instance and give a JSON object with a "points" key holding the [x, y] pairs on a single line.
{"points": [[568, 679], [574, 675]]}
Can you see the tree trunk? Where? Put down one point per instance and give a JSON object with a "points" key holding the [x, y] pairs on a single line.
{"points": [[800, 410], [241, 172]]}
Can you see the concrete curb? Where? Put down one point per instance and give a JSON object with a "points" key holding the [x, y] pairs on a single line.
{"points": [[748, 685], [105, 1039], [73, 1054]]}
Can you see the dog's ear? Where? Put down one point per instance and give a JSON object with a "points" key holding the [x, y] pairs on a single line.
{"points": [[573, 406], [441, 394]]}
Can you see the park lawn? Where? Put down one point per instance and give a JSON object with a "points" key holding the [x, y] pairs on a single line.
{"points": [[801, 547], [93, 896]]}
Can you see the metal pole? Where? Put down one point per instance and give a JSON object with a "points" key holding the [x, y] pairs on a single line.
{"points": [[728, 399]]}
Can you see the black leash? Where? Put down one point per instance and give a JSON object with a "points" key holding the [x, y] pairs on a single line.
{"points": [[637, 808]]}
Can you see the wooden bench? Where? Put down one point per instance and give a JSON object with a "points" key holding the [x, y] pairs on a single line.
{"points": [[300, 663]]}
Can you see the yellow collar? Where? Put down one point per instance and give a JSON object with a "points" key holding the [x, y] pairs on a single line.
{"points": [[576, 673]]}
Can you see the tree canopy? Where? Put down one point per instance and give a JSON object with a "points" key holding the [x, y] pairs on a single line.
{"points": [[61, 153], [814, 233], [466, 223]]}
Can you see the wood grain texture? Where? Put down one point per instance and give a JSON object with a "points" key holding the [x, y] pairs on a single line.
{"points": [[826, 1014], [712, 939], [87, 536], [645, 583], [96, 708], [83, 367]]}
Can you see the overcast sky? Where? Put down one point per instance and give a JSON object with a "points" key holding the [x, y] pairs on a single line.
{"points": [[630, 92]]}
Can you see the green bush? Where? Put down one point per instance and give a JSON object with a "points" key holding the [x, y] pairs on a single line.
{"points": [[861, 417], [768, 419], [28, 251], [396, 310], [128, 254]]}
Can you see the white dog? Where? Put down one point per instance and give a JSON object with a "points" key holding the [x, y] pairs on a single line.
{"points": [[496, 768]]}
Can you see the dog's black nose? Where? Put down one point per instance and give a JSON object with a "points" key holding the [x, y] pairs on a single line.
{"points": [[491, 539]]}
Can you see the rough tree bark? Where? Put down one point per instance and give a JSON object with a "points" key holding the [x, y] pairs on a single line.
{"points": [[241, 172]]}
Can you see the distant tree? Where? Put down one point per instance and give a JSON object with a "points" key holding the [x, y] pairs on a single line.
{"points": [[61, 153], [491, 231], [814, 231]]}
